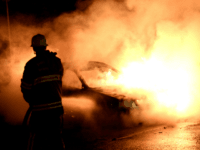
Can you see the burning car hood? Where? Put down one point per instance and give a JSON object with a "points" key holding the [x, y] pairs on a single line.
{"points": [[94, 74]]}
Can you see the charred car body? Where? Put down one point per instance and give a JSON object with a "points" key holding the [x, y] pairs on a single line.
{"points": [[111, 105]]}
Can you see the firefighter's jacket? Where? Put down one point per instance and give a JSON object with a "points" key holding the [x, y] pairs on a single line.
{"points": [[41, 83]]}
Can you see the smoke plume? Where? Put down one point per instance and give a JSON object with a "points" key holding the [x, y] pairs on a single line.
{"points": [[116, 32]]}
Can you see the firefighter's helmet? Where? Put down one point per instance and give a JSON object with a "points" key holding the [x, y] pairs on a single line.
{"points": [[38, 41]]}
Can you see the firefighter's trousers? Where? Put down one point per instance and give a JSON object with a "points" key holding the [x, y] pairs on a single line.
{"points": [[45, 132]]}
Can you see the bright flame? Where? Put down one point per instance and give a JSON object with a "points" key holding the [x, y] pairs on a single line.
{"points": [[170, 86]]}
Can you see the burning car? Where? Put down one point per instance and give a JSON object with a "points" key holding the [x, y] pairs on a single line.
{"points": [[109, 103], [147, 85], [93, 74]]}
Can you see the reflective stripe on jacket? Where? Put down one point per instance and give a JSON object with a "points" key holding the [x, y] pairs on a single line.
{"points": [[46, 106], [48, 78], [26, 85]]}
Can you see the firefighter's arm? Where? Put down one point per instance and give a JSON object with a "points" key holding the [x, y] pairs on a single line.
{"points": [[26, 85], [26, 94]]}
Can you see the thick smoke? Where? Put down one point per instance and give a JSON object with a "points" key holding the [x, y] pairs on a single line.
{"points": [[120, 32], [113, 32]]}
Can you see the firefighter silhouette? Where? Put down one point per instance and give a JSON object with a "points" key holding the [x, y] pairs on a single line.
{"points": [[41, 86]]}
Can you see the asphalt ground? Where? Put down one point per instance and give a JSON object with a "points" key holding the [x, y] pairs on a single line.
{"points": [[76, 138], [184, 135]]}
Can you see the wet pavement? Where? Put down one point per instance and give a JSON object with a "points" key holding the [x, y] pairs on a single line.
{"points": [[183, 136]]}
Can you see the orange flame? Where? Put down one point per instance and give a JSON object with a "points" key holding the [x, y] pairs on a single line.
{"points": [[170, 86]]}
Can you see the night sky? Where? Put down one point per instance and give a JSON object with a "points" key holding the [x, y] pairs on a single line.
{"points": [[42, 9]]}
